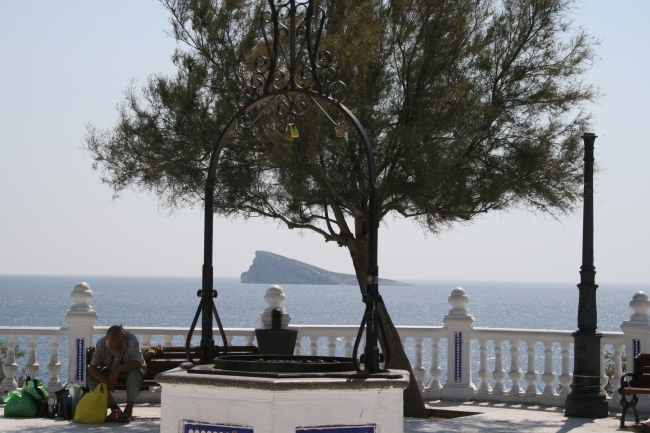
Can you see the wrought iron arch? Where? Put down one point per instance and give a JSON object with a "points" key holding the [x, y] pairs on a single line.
{"points": [[317, 79]]}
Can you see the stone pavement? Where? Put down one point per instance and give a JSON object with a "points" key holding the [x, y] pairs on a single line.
{"points": [[490, 417]]}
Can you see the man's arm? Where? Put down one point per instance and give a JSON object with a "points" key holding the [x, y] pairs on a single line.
{"points": [[94, 372], [115, 374]]}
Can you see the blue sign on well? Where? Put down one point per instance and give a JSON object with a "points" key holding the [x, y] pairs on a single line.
{"points": [[337, 429], [204, 427]]}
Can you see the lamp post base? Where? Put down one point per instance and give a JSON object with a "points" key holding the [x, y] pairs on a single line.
{"points": [[586, 407]]}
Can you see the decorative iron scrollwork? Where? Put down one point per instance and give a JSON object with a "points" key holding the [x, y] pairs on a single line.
{"points": [[292, 34]]}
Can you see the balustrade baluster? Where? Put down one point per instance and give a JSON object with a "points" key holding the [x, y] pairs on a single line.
{"points": [[618, 370], [531, 376], [54, 366], [566, 377], [298, 348], [499, 374], [418, 370], [331, 345], [10, 367], [347, 347], [603, 377], [515, 372], [249, 339], [434, 388], [549, 375], [31, 366], [167, 338], [313, 345], [483, 372], [146, 339]]}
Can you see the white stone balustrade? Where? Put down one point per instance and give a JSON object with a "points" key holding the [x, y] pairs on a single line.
{"points": [[538, 361]]}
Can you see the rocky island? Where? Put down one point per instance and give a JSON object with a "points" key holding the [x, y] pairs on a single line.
{"points": [[269, 268]]}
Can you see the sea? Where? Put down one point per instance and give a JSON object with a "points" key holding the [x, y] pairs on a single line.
{"points": [[43, 300]]}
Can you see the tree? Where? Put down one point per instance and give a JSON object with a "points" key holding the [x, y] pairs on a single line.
{"points": [[471, 106]]}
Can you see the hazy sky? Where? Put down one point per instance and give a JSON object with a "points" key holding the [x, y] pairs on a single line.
{"points": [[67, 63]]}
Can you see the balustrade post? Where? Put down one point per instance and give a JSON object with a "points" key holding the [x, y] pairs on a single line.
{"points": [[54, 367], [531, 376], [549, 375], [433, 389], [499, 374], [459, 325], [10, 367], [81, 320], [637, 327], [515, 372], [483, 371], [566, 378], [31, 366], [637, 334]]}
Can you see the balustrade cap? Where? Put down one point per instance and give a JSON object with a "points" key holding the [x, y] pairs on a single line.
{"points": [[458, 300], [81, 295], [640, 304], [274, 297]]}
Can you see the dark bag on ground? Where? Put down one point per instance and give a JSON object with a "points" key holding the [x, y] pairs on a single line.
{"points": [[20, 403]]}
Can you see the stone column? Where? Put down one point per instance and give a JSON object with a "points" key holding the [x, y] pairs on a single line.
{"points": [[81, 320], [459, 323]]}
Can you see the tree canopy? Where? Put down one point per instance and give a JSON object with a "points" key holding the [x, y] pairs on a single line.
{"points": [[471, 106]]}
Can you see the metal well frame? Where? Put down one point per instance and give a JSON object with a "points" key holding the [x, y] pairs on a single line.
{"points": [[293, 76]]}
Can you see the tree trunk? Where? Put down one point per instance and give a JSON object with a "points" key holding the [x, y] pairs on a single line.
{"points": [[413, 403]]}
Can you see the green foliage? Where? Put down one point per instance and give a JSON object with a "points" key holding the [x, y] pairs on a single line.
{"points": [[19, 353], [609, 368], [471, 106]]}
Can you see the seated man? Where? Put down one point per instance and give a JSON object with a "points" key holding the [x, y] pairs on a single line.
{"points": [[118, 357]]}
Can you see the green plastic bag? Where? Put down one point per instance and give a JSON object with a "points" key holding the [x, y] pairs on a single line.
{"points": [[20, 403]]}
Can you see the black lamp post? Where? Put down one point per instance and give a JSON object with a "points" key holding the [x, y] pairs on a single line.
{"points": [[586, 399]]}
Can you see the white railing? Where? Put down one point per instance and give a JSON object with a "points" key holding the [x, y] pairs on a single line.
{"points": [[486, 362], [31, 366]]}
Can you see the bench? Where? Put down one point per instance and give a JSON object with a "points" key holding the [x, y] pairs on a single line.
{"points": [[638, 384], [163, 358]]}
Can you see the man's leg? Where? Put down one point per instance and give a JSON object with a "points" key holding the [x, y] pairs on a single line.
{"points": [[133, 379], [93, 383]]}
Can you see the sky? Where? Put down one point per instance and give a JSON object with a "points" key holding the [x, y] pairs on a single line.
{"points": [[66, 64]]}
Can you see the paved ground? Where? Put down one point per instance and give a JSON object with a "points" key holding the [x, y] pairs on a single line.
{"points": [[491, 417]]}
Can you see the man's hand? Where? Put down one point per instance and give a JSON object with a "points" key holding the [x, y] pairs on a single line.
{"points": [[114, 376], [109, 385]]}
